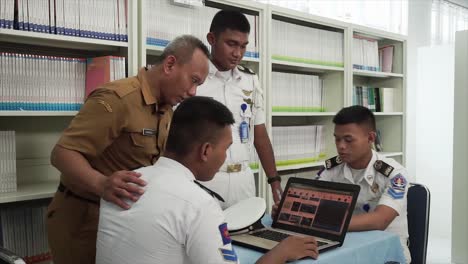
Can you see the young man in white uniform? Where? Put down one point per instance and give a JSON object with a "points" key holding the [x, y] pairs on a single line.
{"points": [[238, 88], [177, 220], [384, 183]]}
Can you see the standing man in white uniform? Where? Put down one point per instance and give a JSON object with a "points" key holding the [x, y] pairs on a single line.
{"points": [[177, 220], [238, 88], [384, 184]]}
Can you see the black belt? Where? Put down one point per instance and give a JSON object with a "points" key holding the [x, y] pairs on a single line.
{"points": [[62, 188]]}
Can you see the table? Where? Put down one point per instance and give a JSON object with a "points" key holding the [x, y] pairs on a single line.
{"points": [[376, 247]]}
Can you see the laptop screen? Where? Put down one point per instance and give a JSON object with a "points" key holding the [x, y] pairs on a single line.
{"points": [[321, 209]]}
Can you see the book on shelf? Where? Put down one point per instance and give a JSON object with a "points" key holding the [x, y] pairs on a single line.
{"points": [[376, 99], [386, 58], [7, 162], [101, 70]]}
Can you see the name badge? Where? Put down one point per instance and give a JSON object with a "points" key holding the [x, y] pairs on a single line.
{"points": [[149, 132]]}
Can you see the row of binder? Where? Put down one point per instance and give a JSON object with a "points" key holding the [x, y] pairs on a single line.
{"points": [[296, 93], [296, 43], [167, 20], [49, 83], [376, 99], [365, 54], [84, 18], [23, 231], [7, 162], [298, 144]]}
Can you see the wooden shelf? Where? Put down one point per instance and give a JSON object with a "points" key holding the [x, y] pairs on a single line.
{"points": [[303, 113], [52, 40], [391, 154], [32, 191], [38, 113], [303, 67], [388, 113], [157, 50], [301, 166], [376, 74]]}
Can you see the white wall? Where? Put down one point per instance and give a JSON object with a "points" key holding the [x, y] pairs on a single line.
{"points": [[434, 126], [430, 124]]}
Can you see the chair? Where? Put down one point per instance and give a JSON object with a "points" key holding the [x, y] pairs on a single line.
{"points": [[419, 199], [8, 257]]}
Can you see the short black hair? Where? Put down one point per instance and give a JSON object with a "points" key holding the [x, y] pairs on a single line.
{"points": [[229, 19], [355, 115], [196, 120]]}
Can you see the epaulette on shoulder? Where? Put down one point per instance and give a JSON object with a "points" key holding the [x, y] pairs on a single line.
{"points": [[333, 162], [245, 69], [383, 168]]}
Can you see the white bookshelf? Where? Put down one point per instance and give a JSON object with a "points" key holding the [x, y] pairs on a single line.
{"points": [[32, 191], [303, 67], [377, 74], [303, 114], [38, 113], [52, 40], [301, 166], [338, 81], [38, 131]]}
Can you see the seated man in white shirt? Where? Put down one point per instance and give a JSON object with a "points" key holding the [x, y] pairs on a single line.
{"points": [[381, 204], [176, 220]]}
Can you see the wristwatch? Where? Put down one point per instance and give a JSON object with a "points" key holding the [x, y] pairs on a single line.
{"points": [[273, 179]]}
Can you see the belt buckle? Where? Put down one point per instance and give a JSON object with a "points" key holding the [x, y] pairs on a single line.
{"points": [[234, 167]]}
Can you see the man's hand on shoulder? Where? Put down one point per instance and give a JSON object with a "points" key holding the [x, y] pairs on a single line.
{"points": [[122, 185]]}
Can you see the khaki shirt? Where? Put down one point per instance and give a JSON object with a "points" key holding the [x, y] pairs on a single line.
{"points": [[120, 126]]}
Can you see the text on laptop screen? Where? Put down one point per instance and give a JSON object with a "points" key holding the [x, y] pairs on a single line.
{"points": [[311, 207]]}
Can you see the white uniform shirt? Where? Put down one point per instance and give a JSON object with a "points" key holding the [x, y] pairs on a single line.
{"points": [[174, 221], [239, 88], [378, 189]]}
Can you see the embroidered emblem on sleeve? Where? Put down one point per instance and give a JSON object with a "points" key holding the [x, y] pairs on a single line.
{"points": [[106, 105], [397, 190], [223, 229], [335, 161], [228, 254], [247, 92]]}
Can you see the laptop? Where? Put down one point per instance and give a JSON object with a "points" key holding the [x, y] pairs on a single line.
{"points": [[308, 207]]}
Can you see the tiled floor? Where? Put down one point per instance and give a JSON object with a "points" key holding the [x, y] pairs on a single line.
{"points": [[438, 251]]}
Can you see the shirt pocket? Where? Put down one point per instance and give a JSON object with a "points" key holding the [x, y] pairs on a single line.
{"points": [[145, 144]]}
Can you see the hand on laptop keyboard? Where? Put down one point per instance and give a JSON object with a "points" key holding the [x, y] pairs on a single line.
{"points": [[291, 248]]}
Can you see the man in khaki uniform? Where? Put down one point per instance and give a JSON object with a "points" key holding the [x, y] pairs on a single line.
{"points": [[122, 126]]}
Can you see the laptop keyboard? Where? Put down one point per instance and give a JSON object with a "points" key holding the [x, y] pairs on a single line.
{"points": [[278, 236], [271, 235]]}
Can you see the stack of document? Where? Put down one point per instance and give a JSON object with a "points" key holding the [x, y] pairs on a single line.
{"points": [[7, 162], [41, 83], [23, 231], [296, 43], [365, 54], [298, 144], [167, 20], [296, 93]]}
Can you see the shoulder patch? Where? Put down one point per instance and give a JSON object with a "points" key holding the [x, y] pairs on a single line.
{"points": [[333, 162], [383, 168], [228, 254], [245, 69], [106, 105], [223, 230]]}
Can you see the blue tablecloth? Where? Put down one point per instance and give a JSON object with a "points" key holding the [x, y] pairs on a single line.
{"points": [[373, 247]]}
